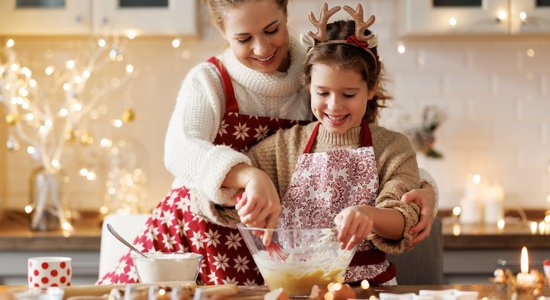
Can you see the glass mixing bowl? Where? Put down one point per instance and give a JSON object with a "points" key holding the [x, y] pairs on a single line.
{"points": [[298, 259]]}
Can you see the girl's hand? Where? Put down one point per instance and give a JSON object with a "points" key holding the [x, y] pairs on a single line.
{"points": [[354, 224], [259, 205], [425, 199]]}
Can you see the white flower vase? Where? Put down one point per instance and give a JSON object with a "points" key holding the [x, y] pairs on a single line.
{"points": [[47, 200]]}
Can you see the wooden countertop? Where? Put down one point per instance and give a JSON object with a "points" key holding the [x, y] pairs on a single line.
{"points": [[514, 235], [483, 290], [16, 236], [251, 293]]}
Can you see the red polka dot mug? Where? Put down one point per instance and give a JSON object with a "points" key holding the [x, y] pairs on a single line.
{"points": [[49, 272]]}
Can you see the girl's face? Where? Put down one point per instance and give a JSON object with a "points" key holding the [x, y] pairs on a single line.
{"points": [[258, 36], [338, 97]]}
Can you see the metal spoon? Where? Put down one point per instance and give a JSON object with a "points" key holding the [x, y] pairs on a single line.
{"points": [[122, 240]]}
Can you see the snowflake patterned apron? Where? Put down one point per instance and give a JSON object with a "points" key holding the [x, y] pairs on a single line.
{"points": [[325, 183], [173, 227]]}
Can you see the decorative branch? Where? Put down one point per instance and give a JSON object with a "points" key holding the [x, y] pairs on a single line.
{"points": [[47, 117]]}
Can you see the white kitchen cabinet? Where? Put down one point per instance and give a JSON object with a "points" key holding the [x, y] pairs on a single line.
{"points": [[494, 17], [171, 17], [536, 13], [72, 17], [75, 17]]}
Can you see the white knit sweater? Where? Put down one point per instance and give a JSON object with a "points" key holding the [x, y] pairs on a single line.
{"points": [[189, 153]]}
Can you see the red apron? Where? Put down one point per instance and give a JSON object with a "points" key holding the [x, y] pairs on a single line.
{"points": [[172, 227], [325, 183]]}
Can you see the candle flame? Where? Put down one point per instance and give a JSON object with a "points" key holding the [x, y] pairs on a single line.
{"points": [[524, 260]]}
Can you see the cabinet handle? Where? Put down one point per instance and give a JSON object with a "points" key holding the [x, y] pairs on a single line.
{"points": [[78, 18], [105, 20]]}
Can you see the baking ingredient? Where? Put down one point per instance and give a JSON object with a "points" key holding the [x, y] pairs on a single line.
{"points": [[295, 282]]}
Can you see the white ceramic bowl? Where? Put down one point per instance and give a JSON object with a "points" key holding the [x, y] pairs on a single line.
{"points": [[167, 267], [311, 257]]}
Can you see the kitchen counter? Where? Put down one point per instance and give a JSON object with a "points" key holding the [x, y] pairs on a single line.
{"points": [[15, 235], [484, 237], [258, 292], [471, 252]]}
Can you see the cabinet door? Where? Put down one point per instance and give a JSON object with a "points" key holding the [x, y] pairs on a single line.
{"points": [[165, 17], [44, 17], [426, 17], [530, 16]]}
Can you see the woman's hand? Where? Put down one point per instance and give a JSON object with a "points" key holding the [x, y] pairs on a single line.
{"points": [[259, 205], [354, 224], [425, 199]]}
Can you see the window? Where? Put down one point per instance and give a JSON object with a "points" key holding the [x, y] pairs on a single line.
{"points": [[457, 3], [39, 3]]}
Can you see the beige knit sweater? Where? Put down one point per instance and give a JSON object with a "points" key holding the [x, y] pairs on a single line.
{"points": [[277, 156]]}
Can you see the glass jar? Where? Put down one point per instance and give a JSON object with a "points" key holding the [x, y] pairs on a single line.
{"points": [[48, 199]]}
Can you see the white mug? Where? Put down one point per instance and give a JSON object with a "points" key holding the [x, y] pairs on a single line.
{"points": [[547, 269], [48, 271]]}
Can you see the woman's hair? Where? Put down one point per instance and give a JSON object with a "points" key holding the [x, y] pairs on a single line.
{"points": [[351, 57], [219, 7]]}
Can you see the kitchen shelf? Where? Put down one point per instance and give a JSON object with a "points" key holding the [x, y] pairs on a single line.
{"points": [[100, 17], [421, 18]]}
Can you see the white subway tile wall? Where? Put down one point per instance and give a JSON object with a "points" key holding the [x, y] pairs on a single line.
{"points": [[494, 92]]}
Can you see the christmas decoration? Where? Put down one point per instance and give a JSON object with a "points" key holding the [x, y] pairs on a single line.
{"points": [[423, 136], [54, 108]]}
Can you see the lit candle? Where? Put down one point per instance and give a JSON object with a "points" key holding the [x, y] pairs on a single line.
{"points": [[525, 279]]}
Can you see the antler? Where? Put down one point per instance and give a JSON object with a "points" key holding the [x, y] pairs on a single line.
{"points": [[321, 25], [360, 24]]}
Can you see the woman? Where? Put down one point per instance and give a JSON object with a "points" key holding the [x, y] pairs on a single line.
{"points": [[230, 103]]}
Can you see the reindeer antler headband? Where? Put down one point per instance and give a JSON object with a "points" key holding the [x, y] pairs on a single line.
{"points": [[358, 39]]}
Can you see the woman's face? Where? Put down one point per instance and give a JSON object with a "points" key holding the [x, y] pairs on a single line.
{"points": [[257, 34], [338, 97]]}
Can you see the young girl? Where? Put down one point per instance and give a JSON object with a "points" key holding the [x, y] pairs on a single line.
{"points": [[344, 168]]}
